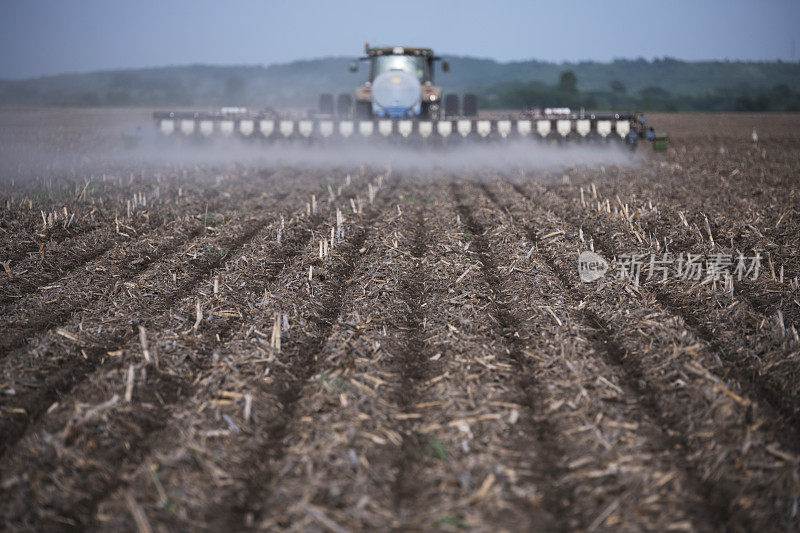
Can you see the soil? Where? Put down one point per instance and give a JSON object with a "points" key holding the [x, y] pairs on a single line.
{"points": [[208, 345]]}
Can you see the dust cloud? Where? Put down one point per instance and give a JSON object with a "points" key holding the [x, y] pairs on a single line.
{"points": [[499, 155], [49, 145]]}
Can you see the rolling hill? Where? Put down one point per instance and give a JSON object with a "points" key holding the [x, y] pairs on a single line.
{"points": [[297, 84]]}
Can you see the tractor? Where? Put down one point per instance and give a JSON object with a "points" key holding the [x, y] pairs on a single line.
{"points": [[400, 86]]}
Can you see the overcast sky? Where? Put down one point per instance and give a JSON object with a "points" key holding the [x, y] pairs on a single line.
{"points": [[39, 37]]}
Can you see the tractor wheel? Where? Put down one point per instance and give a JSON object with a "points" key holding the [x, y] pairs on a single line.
{"points": [[326, 104], [451, 105], [344, 105], [363, 110], [470, 105]]}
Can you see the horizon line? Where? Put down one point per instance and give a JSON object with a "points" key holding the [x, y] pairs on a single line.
{"points": [[337, 57]]}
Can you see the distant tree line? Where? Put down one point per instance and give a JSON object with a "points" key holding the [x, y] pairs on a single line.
{"points": [[662, 84], [516, 95]]}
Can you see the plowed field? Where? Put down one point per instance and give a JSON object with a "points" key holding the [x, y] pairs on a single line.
{"points": [[227, 346]]}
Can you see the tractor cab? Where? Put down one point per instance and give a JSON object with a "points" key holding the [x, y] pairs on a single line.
{"points": [[400, 83]]}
